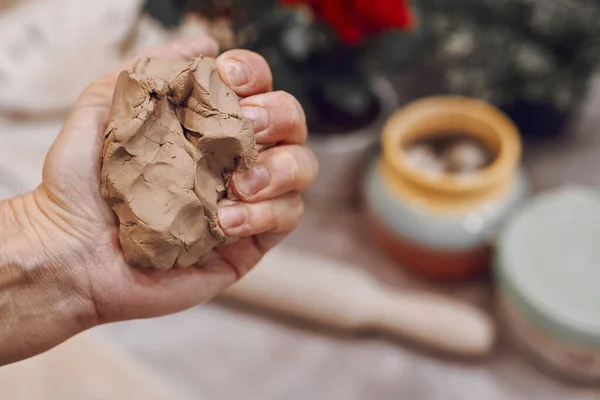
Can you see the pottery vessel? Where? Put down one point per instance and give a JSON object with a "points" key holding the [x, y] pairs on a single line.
{"points": [[547, 271], [342, 155], [443, 226]]}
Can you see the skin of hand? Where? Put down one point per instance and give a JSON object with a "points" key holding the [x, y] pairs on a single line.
{"points": [[61, 267]]}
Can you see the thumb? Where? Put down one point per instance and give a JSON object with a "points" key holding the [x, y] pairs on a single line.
{"points": [[79, 143], [86, 122], [100, 92]]}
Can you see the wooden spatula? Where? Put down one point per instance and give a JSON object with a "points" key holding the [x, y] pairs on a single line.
{"points": [[339, 296]]}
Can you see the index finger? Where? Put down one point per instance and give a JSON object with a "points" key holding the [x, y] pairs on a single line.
{"points": [[245, 72]]}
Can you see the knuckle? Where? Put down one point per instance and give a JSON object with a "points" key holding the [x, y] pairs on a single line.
{"points": [[298, 208], [238, 219], [101, 88], [293, 212], [267, 241], [292, 167], [266, 81], [291, 107], [312, 166], [271, 217], [301, 167], [107, 81], [245, 222], [91, 89], [180, 51], [316, 166]]}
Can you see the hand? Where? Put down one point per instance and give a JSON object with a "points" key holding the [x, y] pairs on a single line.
{"points": [[79, 233]]}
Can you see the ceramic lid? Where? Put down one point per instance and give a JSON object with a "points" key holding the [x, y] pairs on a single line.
{"points": [[548, 262]]}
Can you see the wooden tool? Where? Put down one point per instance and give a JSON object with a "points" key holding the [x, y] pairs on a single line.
{"points": [[332, 294]]}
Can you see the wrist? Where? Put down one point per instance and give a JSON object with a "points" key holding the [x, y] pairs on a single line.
{"points": [[43, 300]]}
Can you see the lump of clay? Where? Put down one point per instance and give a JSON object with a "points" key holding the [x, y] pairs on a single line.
{"points": [[174, 138]]}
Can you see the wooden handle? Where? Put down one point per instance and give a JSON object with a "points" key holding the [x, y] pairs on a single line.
{"points": [[435, 321], [336, 295]]}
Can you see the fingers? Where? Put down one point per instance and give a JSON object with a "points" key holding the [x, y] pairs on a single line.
{"points": [[278, 118], [280, 215], [245, 72], [279, 170]]}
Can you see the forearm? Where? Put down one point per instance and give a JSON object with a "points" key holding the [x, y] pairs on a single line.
{"points": [[39, 305]]}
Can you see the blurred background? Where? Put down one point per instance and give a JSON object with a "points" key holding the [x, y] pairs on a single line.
{"points": [[398, 214]]}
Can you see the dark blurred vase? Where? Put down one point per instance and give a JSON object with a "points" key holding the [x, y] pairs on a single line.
{"points": [[537, 121], [342, 155]]}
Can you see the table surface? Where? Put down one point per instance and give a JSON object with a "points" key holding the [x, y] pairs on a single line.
{"points": [[80, 369], [214, 351]]}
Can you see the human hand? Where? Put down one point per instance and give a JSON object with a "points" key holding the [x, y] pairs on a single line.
{"points": [[78, 233]]}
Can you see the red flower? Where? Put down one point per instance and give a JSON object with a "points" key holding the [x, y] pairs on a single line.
{"points": [[353, 20]]}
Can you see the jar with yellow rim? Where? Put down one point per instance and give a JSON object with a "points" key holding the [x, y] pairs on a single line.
{"points": [[440, 217]]}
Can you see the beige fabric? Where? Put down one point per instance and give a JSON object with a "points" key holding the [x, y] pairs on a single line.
{"points": [[51, 49], [85, 367]]}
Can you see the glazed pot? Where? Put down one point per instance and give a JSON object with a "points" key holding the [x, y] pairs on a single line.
{"points": [[342, 155], [547, 271], [443, 226]]}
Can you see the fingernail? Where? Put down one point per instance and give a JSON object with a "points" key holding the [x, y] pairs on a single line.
{"points": [[236, 71], [232, 216], [259, 115], [253, 181]]}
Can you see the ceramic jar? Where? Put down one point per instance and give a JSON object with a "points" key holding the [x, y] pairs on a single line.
{"points": [[547, 271], [443, 226], [342, 156]]}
